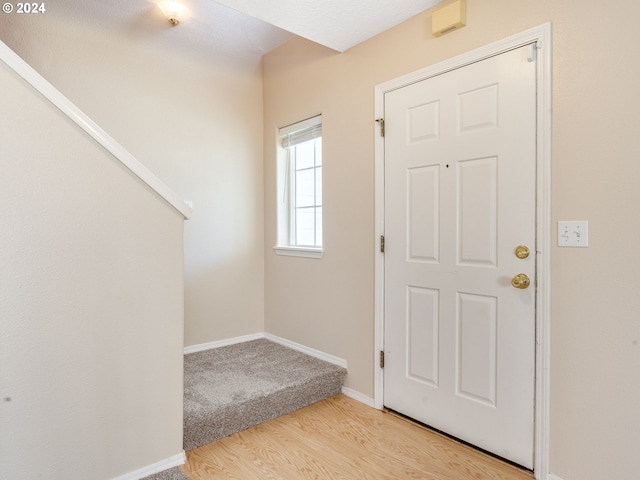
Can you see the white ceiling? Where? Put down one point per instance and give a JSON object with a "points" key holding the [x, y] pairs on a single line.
{"points": [[337, 24], [244, 30]]}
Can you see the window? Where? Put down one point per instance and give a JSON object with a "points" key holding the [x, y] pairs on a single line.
{"points": [[300, 189]]}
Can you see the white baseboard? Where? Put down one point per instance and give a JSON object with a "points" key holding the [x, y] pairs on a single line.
{"points": [[309, 351], [161, 466], [282, 341], [361, 397], [551, 476], [222, 343]]}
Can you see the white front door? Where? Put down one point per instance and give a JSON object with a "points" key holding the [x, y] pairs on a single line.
{"points": [[460, 173]]}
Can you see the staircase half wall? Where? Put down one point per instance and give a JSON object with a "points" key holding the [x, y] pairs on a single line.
{"points": [[91, 295]]}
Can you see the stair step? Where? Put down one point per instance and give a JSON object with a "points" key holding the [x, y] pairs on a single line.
{"points": [[231, 388], [172, 474]]}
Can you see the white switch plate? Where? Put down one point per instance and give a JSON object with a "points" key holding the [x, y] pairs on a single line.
{"points": [[573, 233]]}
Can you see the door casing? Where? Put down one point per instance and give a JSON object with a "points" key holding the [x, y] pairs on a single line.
{"points": [[541, 35]]}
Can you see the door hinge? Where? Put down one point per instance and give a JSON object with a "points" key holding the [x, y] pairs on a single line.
{"points": [[382, 243], [532, 53], [381, 358], [381, 122]]}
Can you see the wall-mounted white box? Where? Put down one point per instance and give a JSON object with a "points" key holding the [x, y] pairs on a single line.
{"points": [[573, 233], [449, 18]]}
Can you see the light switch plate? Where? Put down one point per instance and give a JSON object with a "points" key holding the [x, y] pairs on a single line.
{"points": [[573, 233]]}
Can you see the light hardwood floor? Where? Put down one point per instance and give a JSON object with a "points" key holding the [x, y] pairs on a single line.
{"points": [[340, 438]]}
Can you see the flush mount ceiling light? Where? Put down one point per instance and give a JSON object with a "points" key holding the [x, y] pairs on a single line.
{"points": [[174, 11]]}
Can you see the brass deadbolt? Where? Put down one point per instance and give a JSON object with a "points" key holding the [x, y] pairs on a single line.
{"points": [[522, 251]]}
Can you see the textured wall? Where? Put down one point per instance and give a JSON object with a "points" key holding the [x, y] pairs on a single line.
{"points": [[595, 428], [194, 121], [91, 303]]}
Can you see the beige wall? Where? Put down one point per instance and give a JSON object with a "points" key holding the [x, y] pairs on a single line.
{"points": [[197, 125], [91, 303], [328, 304], [195, 122]]}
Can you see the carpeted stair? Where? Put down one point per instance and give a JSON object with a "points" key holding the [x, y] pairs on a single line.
{"points": [[231, 388], [172, 474]]}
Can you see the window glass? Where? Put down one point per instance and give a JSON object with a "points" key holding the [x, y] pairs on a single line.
{"points": [[306, 184]]}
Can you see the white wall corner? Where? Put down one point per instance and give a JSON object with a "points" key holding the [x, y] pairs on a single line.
{"points": [[161, 466]]}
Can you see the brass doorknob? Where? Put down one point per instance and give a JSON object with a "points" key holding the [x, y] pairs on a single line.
{"points": [[522, 252], [520, 281]]}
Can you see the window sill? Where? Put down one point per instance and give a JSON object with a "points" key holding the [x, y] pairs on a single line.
{"points": [[307, 252]]}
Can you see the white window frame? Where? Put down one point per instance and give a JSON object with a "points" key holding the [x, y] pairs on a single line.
{"points": [[286, 205]]}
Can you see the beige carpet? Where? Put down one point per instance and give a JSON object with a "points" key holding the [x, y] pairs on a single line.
{"points": [[172, 474]]}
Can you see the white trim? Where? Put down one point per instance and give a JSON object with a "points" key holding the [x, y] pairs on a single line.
{"points": [[551, 476], [379, 274], [301, 125], [327, 357], [48, 91], [307, 252], [301, 132], [360, 397], [541, 464], [541, 35], [161, 466], [378, 312], [222, 343]]}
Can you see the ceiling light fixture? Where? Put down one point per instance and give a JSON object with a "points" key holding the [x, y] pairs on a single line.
{"points": [[174, 11]]}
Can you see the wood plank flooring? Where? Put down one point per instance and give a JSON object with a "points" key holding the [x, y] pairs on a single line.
{"points": [[340, 438]]}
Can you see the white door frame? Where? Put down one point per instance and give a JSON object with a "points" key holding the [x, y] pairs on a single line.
{"points": [[541, 35]]}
